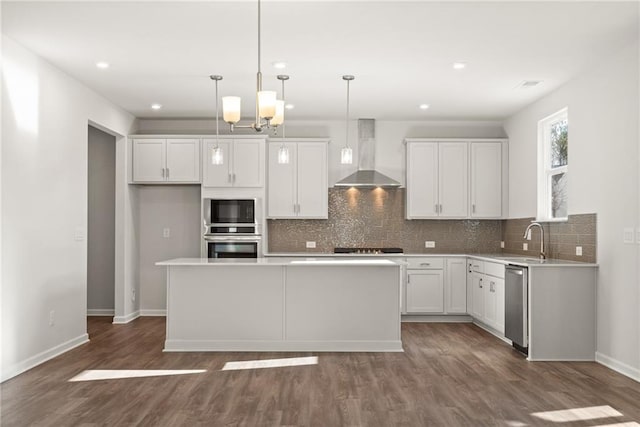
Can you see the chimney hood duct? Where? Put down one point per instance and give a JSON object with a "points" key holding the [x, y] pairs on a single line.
{"points": [[367, 176]]}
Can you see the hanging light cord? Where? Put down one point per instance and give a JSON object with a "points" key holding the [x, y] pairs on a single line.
{"points": [[217, 114], [284, 125], [347, 118]]}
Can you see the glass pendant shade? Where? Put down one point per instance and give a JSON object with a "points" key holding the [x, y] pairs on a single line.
{"points": [[267, 104], [231, 109], [346, 156], [217, 158], [283, 155], [278, 119]]}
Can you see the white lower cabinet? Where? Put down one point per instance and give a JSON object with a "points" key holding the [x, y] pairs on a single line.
{"points": [[436, 286], [425, 291], [487, 293]]}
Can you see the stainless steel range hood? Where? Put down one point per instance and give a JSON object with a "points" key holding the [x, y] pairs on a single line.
{"points": [[367, 176]]}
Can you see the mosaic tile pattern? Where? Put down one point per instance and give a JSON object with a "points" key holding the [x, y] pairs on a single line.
{"points": [[561, 238], [375, 218]]}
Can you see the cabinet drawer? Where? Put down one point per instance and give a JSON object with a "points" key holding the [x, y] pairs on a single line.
{"points": [[494, 269], [425, 263], [477, 266]]}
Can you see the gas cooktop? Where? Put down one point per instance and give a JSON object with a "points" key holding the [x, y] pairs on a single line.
{"points": [[374, 251]]}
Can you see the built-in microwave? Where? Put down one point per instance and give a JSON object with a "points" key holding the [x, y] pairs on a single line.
{"points": [[224, 216]]}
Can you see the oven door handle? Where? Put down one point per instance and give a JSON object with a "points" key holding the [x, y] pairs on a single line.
{"points": [[232, 239]]}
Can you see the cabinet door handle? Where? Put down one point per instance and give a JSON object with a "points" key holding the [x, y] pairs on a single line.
{"points": [[436, 208], [234, 178], [167, 173], [473, 208], [229, 177], [440, 210], [298, 207], [426, 264], [163, 172]]}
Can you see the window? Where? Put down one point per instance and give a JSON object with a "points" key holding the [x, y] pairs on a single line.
{"points": [[553, 161]]}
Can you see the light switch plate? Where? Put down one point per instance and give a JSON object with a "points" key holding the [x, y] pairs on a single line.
{"points": [[166, 233], [429, 244], [311, 245], [502, 244], [525, 246], [628, 235], [578, 250]]}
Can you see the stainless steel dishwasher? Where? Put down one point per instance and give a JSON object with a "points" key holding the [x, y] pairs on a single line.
{"points": [[516, 305]]}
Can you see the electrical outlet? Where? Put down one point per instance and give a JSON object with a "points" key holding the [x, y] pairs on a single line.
{"points": [[311, 245], [525, 246], [529, 234], [52, 318], [166, 233], [628, 235], [429, 244], [133, 295], [578, 250], [502, 245]]}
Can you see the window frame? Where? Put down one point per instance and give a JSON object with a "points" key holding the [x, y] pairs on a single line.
{"points": [[546, 171]]}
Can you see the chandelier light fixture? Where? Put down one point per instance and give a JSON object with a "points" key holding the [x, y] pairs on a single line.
{"points": [[217, 157], [278, 119], [346, 155], [266, 103]]}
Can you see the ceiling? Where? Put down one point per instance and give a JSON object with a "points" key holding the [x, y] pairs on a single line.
{"points": [[401, 53]]}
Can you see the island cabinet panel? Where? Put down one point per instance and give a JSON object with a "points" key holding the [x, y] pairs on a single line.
{"points": [[202, 305], [345, 308]]}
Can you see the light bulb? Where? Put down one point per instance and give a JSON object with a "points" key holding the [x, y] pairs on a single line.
{"points": [[267, 104], [346, 156], [283, 155], [231, 109], [217, 158], [278, 119]]}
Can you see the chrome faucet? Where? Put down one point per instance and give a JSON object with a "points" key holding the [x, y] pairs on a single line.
{"points": [[528, 230]]}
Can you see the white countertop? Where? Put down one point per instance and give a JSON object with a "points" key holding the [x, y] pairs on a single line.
{"points": [[280, 261], [505, 259]]}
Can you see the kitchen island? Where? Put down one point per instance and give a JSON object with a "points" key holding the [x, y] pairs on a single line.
{"points": [[282, 304]]}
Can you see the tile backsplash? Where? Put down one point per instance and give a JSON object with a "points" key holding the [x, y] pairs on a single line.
{"points": [[376, 218], [561, 238]]}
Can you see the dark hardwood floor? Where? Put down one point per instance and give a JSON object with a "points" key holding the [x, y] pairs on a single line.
{"points": [[449, 375]]}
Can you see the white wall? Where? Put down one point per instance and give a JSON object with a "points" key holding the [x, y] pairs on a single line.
{"points": [[101, 222], [603, 178], [176, 207], [389, 137], [45, 114]]}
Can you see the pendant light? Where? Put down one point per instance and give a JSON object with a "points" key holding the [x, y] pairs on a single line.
{"points": [[217, 157], [346, 155], [283, 152], [266, 102]]}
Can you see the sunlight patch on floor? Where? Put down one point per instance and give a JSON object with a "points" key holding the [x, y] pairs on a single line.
{"points": [[116, 374], [578, 414], [270, 363], [627, 424]]}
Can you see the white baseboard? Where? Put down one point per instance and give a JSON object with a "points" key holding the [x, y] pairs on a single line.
{"points": [[42, 357], [437, 318], [620, 367], [100, 312], [492, 331], [152, 312], [120, 320]]}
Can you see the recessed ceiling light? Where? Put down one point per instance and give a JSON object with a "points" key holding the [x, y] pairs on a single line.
{"points": [[459, 65], [424, 106], [279, 65], [289, 106], [156, 106], [102, 65]]}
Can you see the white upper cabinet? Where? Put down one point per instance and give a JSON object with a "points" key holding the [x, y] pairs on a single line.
{"points": [[166, 160], [437, 180], [422, 180], [183, 160], [298, 189], [242, 164], [454, 178], [486, 180]]}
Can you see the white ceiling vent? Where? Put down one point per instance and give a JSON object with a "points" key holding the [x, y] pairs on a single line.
{"points": [[528, 84]]}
